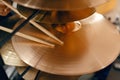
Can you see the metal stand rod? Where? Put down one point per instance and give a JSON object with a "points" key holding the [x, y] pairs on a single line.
{"points": [[26, 70], [18, 28], [38, 75], [3, 75]]}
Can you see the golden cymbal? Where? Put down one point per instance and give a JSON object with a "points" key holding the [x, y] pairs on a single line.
{"points": [[58, 17], [60, 5], [85, 50], [9, 55], [106, 7]]}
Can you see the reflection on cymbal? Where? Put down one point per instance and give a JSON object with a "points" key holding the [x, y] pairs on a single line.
{"points": [[60, 5], [86, 50], [9, 55], [58, 17]]}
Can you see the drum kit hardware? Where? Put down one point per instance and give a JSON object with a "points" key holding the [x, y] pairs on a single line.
{"points": [[59, 39]]}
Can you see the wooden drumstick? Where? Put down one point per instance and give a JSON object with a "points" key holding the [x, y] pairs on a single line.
{"points": [[27, 37], [34, 23]]}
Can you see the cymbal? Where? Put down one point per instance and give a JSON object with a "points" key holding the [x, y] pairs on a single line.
{"points": [[58, 17], [106, 7], [9, 55], [89, 49], [61, 5]]}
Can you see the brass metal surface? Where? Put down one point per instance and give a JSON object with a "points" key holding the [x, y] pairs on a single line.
{"points": [[89, 49], [60, 5], [9, 55], [58, 17]]}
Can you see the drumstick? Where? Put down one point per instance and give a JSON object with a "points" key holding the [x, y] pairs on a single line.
{"points": [[34, 23], [27, 37]]}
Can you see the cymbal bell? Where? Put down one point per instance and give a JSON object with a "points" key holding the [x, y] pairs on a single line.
{"points": [[60, 5], [89, 49], [9, 55], [58, 17]]}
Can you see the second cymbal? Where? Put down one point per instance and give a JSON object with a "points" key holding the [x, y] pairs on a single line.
{"points": [[60, 5], [58, 17]]}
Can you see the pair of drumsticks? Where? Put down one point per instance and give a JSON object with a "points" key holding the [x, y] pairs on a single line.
{"points": [[33, 23]]}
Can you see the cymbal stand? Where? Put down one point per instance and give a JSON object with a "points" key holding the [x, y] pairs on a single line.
{"points": [[24, 72], [38, 75]]}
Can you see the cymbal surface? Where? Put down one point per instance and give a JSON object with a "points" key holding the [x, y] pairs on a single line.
{"points": [[60, 5], [91, 48], [57, 17], [9, 55]]}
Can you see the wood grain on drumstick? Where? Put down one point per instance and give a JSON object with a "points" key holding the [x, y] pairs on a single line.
{"points": [[34, 23], [27, 37]]}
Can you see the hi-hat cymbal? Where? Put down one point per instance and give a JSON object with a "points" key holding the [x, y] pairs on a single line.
{"points": [[9, 55], [58, 17], [59, 5], [91, 48]]}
